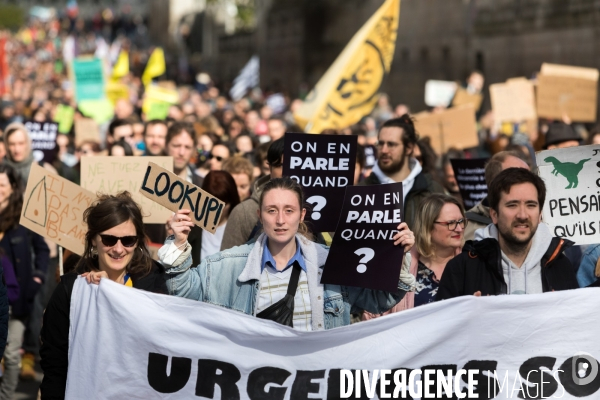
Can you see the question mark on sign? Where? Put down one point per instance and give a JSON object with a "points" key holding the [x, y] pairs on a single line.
{"points": [[367, 254], [320, 204]]}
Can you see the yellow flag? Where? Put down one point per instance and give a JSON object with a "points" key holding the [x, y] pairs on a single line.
{"points": [[121, 67], [156, 66], [348, 90]]}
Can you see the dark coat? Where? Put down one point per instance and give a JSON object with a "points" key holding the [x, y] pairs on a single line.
{"points": [[29, 255], [10, 279], [55, 329], [479, 268], [423, 186], [3, 314]]}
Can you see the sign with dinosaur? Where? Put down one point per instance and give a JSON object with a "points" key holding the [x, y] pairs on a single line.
{"points": [[572, 206]]}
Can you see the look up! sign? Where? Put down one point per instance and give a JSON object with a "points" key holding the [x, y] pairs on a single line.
{"points": [[572, 177], [363, 253], [323, 165]]}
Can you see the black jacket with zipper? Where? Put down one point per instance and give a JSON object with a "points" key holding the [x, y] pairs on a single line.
{"points": [[479, 268]]}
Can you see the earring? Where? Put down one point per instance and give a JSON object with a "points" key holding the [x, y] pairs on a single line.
{"points": [[94, 252]]}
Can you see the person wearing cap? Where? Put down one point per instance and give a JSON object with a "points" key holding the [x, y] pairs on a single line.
{"points": [[561, 136]]}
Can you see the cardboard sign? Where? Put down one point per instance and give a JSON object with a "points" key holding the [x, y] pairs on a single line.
{"points": [[43, 140], [86, 129], [111, 175], [572, 177], [53, 207], [174, 193], [89, 79], [323, 165], [455, 127], [439, 93], [462, 97], [565, 90], [513, 101], [470, 176], [363, 253]]}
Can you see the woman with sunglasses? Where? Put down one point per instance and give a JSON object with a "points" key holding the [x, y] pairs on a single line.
{"points": [[279, 274], [115, 249], [440, 226]]}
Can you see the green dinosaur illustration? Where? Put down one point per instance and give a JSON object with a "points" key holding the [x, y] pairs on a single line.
{"points": [[567, 169]]}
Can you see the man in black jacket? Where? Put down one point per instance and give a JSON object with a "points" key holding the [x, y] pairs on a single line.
{"points": [[396, 141], [517, 253]]}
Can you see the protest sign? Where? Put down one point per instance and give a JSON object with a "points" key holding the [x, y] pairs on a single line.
{"points": [[53, 207], [100, 111], [363, 253], [165, 347], [86, 129], [572, 177], [111, 175], [455, 127], [88, 76], [64, 116], [323, 165], [470, 176], [116, 91], [174, 193], [513, 101], [567, 91], [157, 100], [439, 93], [463, 97], [43, 140]]}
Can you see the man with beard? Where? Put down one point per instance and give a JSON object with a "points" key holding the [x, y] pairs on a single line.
{"points": [[516, 253], [396, 140]]}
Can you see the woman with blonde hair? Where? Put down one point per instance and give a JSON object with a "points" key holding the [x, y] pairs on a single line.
{"points": [[439, 236]]}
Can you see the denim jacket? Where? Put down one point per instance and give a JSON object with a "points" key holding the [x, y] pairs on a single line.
{"points": [[231, 279]]}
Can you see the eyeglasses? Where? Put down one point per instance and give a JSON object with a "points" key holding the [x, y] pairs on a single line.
{"points": [[218, 158], [452, 225], [110, 240]]}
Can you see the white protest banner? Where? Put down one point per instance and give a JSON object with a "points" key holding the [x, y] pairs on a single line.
{"points": [[126, 343], [111, 175], [572, 177], [363, 253], [43, 140], [323, 165], [470, 176], [53, 207], [174, 193], [439, 93]]}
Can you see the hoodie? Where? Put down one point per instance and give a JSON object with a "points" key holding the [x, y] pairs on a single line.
{"points": [[407, 183], [526, 279]]}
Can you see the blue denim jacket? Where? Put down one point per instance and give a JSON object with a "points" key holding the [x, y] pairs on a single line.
{"points": [[586, 274], [231, 279]]}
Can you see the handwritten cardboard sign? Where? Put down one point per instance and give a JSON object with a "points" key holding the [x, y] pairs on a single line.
{"points": [[470, 176], [323, 165], [463, 97], [43, 140], [111, 175], [513, 101], [86, 129], [566, 90], [572, 177], [174, 193], [53, 207], [363, 253], [455, 127]]}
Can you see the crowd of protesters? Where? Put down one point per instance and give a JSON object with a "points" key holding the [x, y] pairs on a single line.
{"points": [[234, 150]]}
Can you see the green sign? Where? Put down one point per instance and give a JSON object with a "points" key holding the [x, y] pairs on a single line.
{"points": [[89, 79], [64, 116]]}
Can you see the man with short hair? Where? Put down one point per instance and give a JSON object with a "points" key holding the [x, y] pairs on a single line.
{"points": [[276, 128], [517, 253], [181, 144], [479, 216], [155, 135], [396, 141], [121, 129]]}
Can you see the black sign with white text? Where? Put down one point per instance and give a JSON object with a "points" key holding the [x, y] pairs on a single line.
{"points": [[363, 253], [43, 140], [323, 165], [470, 177]]}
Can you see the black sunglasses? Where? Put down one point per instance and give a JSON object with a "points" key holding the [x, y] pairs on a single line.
{"points": [[110, 240], [219, 158]]}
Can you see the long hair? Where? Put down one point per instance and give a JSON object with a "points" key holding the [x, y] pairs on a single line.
{"points": [[11, 215], [105, 213], [429, 211], [222, 185], [286, 183]]}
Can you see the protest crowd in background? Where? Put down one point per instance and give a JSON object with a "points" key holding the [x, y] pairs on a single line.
{"points": [[232, 149]]}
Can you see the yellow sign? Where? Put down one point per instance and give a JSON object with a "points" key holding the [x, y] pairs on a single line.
{"points": [[155, 67], [348, 90]]}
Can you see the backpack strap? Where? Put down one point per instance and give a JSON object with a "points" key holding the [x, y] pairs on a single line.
{"points": [[471, 216]]}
